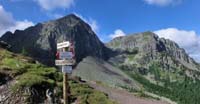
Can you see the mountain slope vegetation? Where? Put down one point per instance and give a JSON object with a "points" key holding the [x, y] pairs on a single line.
{"points": [[23, 80], [160, 65]]}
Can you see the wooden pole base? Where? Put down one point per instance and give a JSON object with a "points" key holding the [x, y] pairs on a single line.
{"points": [[65, 88]]}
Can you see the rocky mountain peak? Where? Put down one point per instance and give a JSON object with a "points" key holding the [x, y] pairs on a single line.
{"points": [[67, 21], [131, 41], [152, 48], [40, 40], [70, 17]]}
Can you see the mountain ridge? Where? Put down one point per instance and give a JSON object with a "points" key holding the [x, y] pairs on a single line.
{"points": [[134, 62], [155, 43], [40, 40]]}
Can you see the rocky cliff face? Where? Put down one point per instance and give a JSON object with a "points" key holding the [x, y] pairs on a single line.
{"points": [[40, 41], [143, 49]]}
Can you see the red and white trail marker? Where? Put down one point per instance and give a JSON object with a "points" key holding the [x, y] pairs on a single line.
{"points": [[65, 58]]}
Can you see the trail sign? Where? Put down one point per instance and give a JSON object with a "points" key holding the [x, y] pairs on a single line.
{"points": [[65, 62], [65, 55], [67, 69], [63, 45]]}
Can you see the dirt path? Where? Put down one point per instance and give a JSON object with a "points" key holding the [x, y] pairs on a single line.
{"points": [[124, 97]]}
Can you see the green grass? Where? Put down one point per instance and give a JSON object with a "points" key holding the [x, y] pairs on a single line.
{"points": [[30, 75], [166, 75], [36, 77], [13, 65], [184, 92], [87, 95], [99, 98], [131, 57]]}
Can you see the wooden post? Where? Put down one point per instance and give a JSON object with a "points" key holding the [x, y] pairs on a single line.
{"points": [[66, 61], [65, 86]]}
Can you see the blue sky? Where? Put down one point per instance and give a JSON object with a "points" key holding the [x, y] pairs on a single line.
{"points": [[177, 20]]}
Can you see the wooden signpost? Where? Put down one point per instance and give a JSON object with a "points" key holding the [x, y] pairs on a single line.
{"points": [[63, 45], [65, 62], [67, 69], [65, 59], [65, 55]]}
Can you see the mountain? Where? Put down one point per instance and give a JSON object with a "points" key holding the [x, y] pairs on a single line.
{"points": [[160, 65], [142, 49], [40, 41], [139, 63]]}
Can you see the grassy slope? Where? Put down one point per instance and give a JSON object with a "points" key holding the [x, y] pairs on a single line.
{"points": [[173, 83], [185, 91], [29, 74]]}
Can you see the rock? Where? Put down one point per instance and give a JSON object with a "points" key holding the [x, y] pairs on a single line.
{"points": [[4, 45], [150, 48], [40, 40]]}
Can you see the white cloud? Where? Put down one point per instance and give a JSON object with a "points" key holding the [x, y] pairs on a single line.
{"points": [[8, 23], [189, 40], [6, 19], [163, 2], [93, 23], [21, 25], [117, 33], [53, 4]]}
